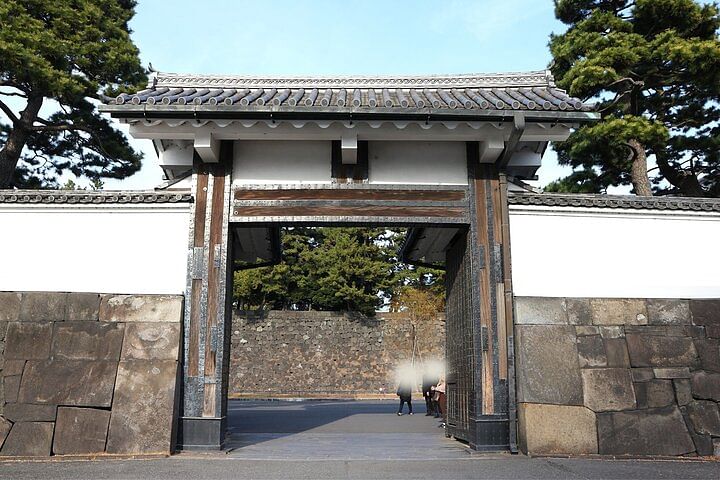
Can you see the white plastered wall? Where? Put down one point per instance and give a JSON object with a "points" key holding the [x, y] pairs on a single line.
{"points": [[420, 163], [282, 162], [103, 249], [576, 252]]}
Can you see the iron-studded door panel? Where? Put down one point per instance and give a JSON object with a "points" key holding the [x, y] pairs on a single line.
{"points": [[459, 341]]}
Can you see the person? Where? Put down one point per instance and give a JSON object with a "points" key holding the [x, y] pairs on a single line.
{"points": [[440, 400], [429, 381], [404, 391]]}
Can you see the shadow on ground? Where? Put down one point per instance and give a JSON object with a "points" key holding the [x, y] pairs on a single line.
{"points": [[335, 429]]}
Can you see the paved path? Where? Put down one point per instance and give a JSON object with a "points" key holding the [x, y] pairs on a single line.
{"points": [[337, 430], [348, 440]]}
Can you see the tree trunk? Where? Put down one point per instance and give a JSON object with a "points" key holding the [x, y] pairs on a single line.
{"points": [[16, 140], [638, 171], [687, 183]]}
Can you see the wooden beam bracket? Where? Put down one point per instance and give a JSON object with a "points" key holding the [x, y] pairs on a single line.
{"points": [[512, 143], [208, 147], [349, 146]]}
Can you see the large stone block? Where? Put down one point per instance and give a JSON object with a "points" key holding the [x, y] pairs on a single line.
{"points": [[581, 330], [709, 352], [668, 312], [659, 330], [617, 352], [659, 431], [672, 373], [80, 431], [148, 341], [557, 429], [683, 391], [43, 307], [607, 389], [11, 386], [612, 331], [143, 409], [548, 370], [618, 311], [29, 439], [27, 341], [642, 374], [695, 331], [654, 394], [141, 308], [27, 412], [68, 382], [703, 444], [87, 341], [83, 307], [707, 314], [9, 306], [5, 427], [12, 367], [591, 351], [658, 351], [705, 417], [578, 311], [706, 385], [540, 311]]}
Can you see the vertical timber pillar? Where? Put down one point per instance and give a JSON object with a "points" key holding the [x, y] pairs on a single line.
{"points": [[491, 304], [207, 307]]}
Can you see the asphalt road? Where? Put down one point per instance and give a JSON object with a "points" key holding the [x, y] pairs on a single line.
{"points": [[348, 440]]}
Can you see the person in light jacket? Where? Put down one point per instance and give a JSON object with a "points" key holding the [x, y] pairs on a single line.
{"points": [[439, 397]]}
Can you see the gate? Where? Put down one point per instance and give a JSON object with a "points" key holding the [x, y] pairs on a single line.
{"points": [[459, 335]]}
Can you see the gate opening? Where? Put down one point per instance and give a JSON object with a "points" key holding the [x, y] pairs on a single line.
{"points": [[290, 344]]}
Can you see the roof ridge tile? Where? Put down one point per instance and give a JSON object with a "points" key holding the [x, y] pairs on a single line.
{"points": [[541, 78]]}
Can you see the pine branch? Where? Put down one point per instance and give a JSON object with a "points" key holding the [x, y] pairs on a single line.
{"points": [[13, 94], [69, 127], [15, 120]]}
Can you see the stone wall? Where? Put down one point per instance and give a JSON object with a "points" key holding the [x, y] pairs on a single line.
{"points": [[618, 376], [84, 373], [323, 353]]}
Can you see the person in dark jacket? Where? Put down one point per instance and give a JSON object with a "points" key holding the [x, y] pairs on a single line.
{"points": [[404, 391], [429, 381]]}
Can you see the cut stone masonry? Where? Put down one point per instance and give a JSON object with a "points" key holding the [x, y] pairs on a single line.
{"points": [[85, 373], [316, 353], [624, 376]]}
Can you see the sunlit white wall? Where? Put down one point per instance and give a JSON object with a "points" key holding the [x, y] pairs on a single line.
{"points": [[576, 252], [556, 252], [104, 249]]}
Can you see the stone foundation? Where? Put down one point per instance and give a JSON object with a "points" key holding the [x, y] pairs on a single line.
{"points": [[618, 376], [324, 353], [84, 373]]}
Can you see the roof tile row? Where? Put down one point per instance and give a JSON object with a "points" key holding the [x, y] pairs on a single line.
{"points": [[99, 197], [510, 98], [615, 201]]}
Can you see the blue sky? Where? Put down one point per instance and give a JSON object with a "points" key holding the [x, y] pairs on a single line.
{"points": [[342, 37]]}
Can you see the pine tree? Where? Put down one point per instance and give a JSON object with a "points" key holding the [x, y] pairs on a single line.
{"points": [[347, 269], [64, 55], [654, 68]]}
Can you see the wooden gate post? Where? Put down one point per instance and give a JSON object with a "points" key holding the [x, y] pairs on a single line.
{"points": [[207, 307], [491, 304]]}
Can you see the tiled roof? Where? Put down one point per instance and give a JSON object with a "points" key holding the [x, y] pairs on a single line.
{"points": [[615, 201], [533, 91], [92, 197]]}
